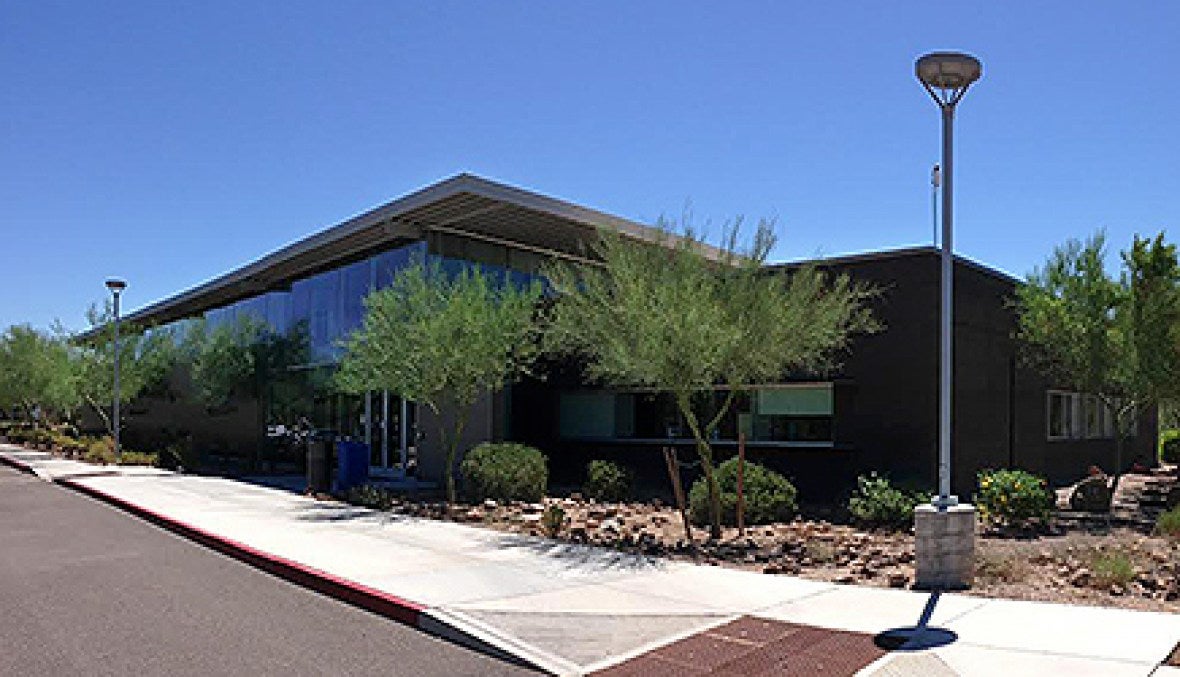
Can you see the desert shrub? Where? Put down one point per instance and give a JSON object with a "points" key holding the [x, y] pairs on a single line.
{"points": [[1013, 498], [878, 503], [820, 552], [369, 496], [1170, 446], [553, 520], [1000, 567], [138, 458], [505, 472], [769, 497], [607, 481], [99, 450], [1112, 568], [1168, 523]]}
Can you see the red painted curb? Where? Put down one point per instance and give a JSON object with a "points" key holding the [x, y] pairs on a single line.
{"points": [[21, 466], [376, 601]]}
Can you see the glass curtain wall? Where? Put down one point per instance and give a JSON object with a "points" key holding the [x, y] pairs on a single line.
{"points": [[299, 341]]}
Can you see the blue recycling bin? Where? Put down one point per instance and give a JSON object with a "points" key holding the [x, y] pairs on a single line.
{"points": [[352, 464]]}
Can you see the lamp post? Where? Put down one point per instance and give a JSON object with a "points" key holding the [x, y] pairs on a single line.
{"points": [[946, 76], [116, 286], [944, 530]]}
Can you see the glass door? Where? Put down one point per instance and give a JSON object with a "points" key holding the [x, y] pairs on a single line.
{"points": [[391, 442]]}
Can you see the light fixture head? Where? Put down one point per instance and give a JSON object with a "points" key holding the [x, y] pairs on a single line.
{"points": [[950, 73], [116, 285]]}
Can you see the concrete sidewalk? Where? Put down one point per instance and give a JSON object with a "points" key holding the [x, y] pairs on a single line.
{"points": [[575, 609]]}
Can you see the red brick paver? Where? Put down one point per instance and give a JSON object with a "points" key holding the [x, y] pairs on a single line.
{"points": [[756, 646]]}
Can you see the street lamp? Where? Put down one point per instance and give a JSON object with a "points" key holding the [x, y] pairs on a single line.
{"points": [[946, 76], [116, 286], [944, 530]]}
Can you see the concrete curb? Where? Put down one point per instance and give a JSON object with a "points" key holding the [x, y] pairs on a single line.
{"points": [[375, 601], [19, 465]]}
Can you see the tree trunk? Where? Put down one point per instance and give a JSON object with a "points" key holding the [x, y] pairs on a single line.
{"points": [[706, 454], [106, 418], [448, 441]]}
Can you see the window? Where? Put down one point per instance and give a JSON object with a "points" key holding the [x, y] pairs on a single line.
{"points": [[1062, 415], [784, 413], [1092, 415], [1078, 416]]}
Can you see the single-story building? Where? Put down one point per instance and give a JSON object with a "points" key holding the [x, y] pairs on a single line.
{"points": [[879, 411]]}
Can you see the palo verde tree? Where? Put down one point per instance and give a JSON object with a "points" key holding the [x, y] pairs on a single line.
{"points": [[35, 373], [672, 317], [145, 360], [442, 340], [1111, 337]]}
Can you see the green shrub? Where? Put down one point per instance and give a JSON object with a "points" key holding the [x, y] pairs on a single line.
{"points": [[505, 472], [1112, 568], [877, 503], [1170, 446], [1168, 523], [369, 496], [608, 481], [100, 450], [138, 458], [769, 497], [1013, 498], [553, 520]]}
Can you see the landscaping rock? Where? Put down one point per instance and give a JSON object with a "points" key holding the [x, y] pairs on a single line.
{"points": [[1091, 495]]}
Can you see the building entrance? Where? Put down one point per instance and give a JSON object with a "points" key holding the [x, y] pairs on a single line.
{"points": [[390, 433]]}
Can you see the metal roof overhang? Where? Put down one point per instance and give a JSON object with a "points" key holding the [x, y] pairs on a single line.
{"points": [[464, 204]]}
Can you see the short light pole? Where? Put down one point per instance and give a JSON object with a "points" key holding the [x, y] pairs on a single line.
{"points": [[949, 559], [116, 286]]}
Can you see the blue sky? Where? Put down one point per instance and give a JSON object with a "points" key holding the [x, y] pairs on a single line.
{"points": [[169, 142]]}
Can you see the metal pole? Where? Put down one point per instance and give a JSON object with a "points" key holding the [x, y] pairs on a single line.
{"points": [[947, 283], [115, 404]]}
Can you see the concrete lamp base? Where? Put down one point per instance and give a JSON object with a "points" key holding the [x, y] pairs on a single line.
{"points": [[944, 547]]}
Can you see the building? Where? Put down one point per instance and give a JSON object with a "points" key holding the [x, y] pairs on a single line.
{"points": [[879, 412]]}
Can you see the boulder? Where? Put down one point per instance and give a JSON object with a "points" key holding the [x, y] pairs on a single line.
{"points": [[1091, 495]]}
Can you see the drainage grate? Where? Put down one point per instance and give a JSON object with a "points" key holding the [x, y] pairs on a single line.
{"points": [[757, 646]]}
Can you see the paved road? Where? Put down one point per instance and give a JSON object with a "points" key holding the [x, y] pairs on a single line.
{"points": [[86, 589]]}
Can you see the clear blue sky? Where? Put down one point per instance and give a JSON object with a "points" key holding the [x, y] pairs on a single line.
{"points": [[169, 142]]}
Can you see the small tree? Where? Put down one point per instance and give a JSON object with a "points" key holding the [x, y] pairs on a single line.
{"points": [[667, 316], [35, 372], [1114, 338], [442, 341], [145, 360]]}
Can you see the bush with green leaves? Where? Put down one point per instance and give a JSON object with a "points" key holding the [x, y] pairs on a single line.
{"points": [[553, 520], [138, 458], [1168, 524], [1013, 498], [1170, 446], [878, 503], [608, 481], [1112, 568], [769, 497], [100, 450], [504, 471], [369, 496]]}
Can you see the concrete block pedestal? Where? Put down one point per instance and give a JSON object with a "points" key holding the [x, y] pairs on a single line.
{"points": [[944, 547]]}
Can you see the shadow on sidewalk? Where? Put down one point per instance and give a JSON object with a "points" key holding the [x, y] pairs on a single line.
{"points": [[578, 555], [920, 636]]}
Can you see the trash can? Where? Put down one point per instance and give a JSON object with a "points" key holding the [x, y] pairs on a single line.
{"points": [[352, 469], [319, 463]]}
